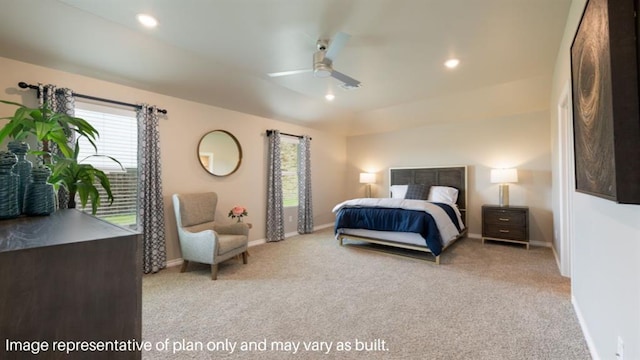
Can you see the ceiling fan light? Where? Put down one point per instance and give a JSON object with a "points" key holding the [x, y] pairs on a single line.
{"points": [[321, 70], [321, 66]]}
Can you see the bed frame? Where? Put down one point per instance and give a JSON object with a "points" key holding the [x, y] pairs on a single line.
{"points": [[454, 176]]}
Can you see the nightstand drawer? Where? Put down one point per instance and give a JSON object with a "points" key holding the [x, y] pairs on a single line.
{"points": [[505, 217], [506, 232]]}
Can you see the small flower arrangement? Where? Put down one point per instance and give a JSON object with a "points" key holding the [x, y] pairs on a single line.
{"points": [[238, 212]]}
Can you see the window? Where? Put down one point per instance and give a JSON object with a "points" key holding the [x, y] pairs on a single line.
{"points": [[118, 130], [289, 157]]}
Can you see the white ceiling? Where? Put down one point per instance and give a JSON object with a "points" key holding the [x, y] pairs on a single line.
{"points": [[219, 52]]}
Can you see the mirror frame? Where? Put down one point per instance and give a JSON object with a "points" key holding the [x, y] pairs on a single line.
{"points": [[234, 140]]}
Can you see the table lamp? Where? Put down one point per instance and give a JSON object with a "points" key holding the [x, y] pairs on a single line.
{"points": [[504, 177], [368, 179]]}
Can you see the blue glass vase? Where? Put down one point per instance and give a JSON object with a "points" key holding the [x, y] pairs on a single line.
{"points": [[22, 168], [39, 198], [9, 183]]}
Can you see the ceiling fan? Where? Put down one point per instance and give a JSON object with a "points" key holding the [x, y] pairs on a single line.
{"points": [[323, 62]]}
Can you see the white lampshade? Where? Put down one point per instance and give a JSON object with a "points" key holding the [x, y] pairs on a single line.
{"points": [[503, 176], [367, 178]]}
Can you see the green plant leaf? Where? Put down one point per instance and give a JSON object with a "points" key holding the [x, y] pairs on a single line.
{"points": [[50, 127], [105, 156], [11, 103], [106, 185], [42, 129], [7, 130]]}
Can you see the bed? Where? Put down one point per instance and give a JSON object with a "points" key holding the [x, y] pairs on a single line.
{"points": [[410, 224]]}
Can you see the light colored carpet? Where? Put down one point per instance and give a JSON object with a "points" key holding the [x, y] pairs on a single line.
{"points": [[496, 301]]}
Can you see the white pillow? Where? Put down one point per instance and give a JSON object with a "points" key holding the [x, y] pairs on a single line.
{"points": [[398, 191], [443, 194]]}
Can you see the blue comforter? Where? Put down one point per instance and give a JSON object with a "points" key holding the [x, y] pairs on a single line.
{"points": [[388, 219]]}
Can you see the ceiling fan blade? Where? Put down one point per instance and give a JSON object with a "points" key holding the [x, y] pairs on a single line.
{"points": [[347, 80], [336, 45], [291, 72]]}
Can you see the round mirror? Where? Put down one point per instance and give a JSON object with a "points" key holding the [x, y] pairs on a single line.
{"points": [[219, 153]]}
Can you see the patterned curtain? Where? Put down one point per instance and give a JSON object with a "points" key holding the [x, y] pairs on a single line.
{"points": [[59, 101], [150, 204], [275, 209], [305, 205]]}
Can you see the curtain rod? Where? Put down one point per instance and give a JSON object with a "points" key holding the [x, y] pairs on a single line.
{"points": [[269, 132], [24, 85]]}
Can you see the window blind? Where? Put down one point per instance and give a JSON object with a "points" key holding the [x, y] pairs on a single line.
{"points": [[118, 129]]}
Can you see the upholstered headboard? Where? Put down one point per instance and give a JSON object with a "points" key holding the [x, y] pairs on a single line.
{"points": [[453, 176]]}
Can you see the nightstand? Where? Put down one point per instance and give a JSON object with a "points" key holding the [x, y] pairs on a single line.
{"points": [[505, 223]]}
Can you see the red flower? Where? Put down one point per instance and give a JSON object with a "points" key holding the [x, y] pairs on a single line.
{"points": [[238, 211]]}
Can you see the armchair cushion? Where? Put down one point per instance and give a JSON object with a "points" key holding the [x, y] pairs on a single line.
{"points": [[230, 237], [228, 243], [201, 209], [200, 227], [234, 229]]}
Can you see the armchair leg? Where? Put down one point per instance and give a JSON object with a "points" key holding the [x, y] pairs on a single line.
{"points": [[244, 257], [214, 271], [185, 263]]}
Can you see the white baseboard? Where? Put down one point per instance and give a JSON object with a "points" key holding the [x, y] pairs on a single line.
{"points": [[558, 263], [540, 243], [320, 227], [585, 330], [257, 242], [315, 228], [174, 262]]}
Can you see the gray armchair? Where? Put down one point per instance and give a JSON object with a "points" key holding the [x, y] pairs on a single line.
{"points": [[203, 241]]}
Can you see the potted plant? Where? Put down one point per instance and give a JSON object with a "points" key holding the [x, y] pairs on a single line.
{"points": [[80, 179], [49, 128]]}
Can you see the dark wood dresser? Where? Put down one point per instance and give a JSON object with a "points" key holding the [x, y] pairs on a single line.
{"points": [[505, 223], [69, 277]]}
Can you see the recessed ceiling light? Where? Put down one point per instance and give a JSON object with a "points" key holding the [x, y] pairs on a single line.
{"points": [[329, 97], [147, 20], [452, 63]]}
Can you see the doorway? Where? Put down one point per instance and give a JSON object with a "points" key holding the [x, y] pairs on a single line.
{"points": [[566, 178]]}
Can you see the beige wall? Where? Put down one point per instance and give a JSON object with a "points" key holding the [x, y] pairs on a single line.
{"points": [[520, 141], [180, 133], [605, 253]]}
